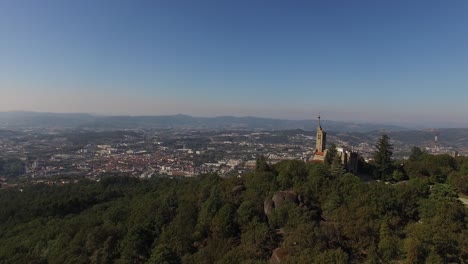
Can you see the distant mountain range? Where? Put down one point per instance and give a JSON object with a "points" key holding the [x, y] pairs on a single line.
{"points": [[16, 120], [357, 133], [37, 120]]}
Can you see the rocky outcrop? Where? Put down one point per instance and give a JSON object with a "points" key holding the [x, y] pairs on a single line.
{"points": [[280, 198], [238, 189], [268, 206], [278, 256]]}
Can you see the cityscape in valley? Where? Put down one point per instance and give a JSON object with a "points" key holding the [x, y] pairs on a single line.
{"points": [[58, 155]]}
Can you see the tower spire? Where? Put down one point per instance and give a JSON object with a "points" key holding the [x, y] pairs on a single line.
{"points": [[321, 137]]}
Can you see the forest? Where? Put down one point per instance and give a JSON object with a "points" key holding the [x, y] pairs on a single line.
{"points": [[288, 212]]}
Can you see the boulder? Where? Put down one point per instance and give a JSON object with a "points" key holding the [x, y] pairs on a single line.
{"points": [[238, 189], [279, 199], [284, 196], [268, 206], [278, 256]]}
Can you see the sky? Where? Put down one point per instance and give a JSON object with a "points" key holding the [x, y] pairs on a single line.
{"points": [[368, 61]]}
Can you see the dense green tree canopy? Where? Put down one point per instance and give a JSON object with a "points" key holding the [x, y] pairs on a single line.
{"points": [[333, 218]]}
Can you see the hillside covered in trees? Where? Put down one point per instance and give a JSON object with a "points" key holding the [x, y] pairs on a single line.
{"points": [[293, 212]]}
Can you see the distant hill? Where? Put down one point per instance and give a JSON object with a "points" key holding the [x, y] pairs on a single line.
{"points": [[29, 120], [24, 120], [229, 122]]}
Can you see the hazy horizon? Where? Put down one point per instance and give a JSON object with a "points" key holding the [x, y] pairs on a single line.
{"points": [[388, 62], [408, 125]]}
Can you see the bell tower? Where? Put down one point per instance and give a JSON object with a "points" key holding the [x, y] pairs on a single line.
{"points": [[321, 138]]}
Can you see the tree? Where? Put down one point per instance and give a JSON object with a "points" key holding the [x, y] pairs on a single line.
{"points": [[257, 237], [459, 182], [247, 212], [290, 172], [163, 255], [136, 246], [388, 242], [416, 154], [383, 158], [398, 175], [434, 258], [222, 225], [413, 251], [337, 168], [207, 212], [331, 154], [464, 168], [262, 164]]}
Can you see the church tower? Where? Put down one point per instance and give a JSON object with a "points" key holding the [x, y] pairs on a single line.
{"points": [[321, 139]]}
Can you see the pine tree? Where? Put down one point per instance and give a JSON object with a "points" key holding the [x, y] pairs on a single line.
{"points": [[383, 158], [413, 251], [337, 168], [387, 244], [262, 164], [416, 154], [331, 154]]}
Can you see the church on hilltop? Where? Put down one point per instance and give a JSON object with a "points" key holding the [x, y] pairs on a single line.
{"points": [[320, 144], [349, 158]]}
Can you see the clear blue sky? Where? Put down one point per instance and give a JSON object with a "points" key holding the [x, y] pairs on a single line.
{"points": [[387, 61]]}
